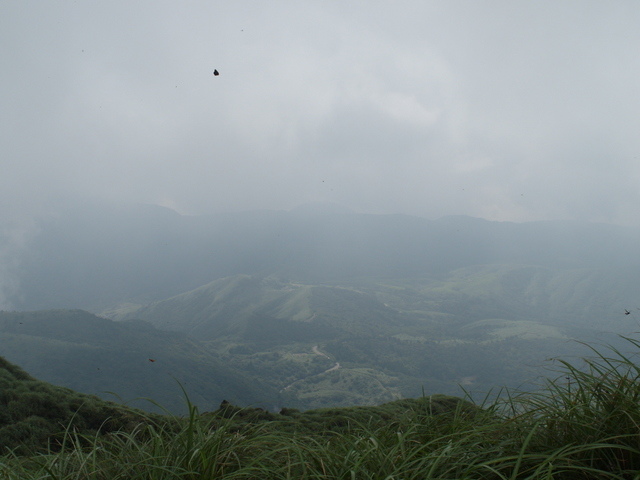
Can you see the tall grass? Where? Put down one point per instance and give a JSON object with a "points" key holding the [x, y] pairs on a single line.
{"points": [[585, 424]]}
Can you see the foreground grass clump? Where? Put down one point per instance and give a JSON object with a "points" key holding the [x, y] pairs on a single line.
{"points": [[594, 407], [585, 424]]}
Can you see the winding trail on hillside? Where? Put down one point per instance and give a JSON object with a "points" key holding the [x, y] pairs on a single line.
{"points": [[336, 366], [316, 351]]}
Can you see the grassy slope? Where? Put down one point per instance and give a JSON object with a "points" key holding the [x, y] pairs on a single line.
{"points": [[375, 339], [575, 297], [94, 355], [387, 338], [583, 425], [34, 413], [232, 306]]}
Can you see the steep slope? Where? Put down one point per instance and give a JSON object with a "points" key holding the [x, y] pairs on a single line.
{"points": [[123, 360], [317, 307], [593, 298], [34, 414], [267, 309], [322, 346]]}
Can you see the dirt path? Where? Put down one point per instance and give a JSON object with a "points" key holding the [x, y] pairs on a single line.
{"points": [[316, 351], [335, 367]]}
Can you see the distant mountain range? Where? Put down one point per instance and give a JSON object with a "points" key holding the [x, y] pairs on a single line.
{"points": [[242, 305], [260, 341], [309, 308], [96, 257]]}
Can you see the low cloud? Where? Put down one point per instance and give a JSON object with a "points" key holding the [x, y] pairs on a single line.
{"points": [[508, 110]]}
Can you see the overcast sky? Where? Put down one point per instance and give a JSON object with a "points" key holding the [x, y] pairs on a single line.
{"points": [[507, 110]]}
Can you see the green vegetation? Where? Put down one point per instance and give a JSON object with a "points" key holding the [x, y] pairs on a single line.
{"points": [[261, 341], [34, 413], [264, 341], [585, 424], [402, 304], [387, 338], [97, 356]]}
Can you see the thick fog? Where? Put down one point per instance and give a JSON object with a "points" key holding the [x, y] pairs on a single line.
{"points": [[503, 110]]}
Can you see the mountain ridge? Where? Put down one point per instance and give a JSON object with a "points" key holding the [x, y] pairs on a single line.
{"points": [[229, 303], [133, 360], [141, 255]]}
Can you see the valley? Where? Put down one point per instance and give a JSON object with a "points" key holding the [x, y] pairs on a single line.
{"points": [[273, 309], [263, 342]]}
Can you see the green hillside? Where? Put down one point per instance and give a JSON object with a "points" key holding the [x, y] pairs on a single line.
{"points": [[123, 361], [584, 297], [313, 308], [257, 340], [583, 424], [35, 414], [239, 305], [375, 340]]}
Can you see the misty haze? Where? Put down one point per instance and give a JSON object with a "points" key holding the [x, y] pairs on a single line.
{"points": [[297, 207]]}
